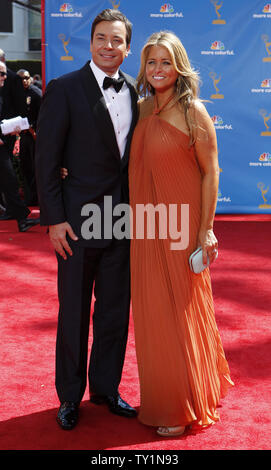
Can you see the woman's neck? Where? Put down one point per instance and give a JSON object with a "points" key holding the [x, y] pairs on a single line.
{"points": [[163, 97]]}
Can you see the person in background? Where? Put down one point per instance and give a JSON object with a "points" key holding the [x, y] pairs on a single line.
{"points": [[33, 97], [37, 81], [13, 93], [8, 179], [14, 98]]}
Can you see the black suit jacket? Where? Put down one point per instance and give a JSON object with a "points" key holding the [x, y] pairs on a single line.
{"points": [[75, 130], [13, 96]]}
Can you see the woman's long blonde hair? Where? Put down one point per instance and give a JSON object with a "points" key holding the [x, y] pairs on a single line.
{"points": [[187, 83]]}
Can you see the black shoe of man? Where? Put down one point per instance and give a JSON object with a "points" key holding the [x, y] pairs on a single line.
{"points": [[115, 404], [67, 416], [26, 224]]}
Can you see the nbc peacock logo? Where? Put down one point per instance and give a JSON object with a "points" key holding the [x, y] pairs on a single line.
{"points": [[267, 8], [66, 8], [217, 120], [217, 46], [265, 157], [167, 8], [266, 83]]}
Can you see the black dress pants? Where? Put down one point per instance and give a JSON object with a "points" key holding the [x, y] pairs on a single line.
{"points": [[9, 186], [108, 270]]}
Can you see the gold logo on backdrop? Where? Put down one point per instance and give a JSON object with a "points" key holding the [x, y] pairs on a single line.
{"points": [[217, 95], [264, 191], [217, 8], [266, 118], [267, 43], [114, 4], [65, 43]]}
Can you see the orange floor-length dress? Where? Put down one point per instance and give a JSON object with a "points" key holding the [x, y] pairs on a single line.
{"points": [[182, 367]]}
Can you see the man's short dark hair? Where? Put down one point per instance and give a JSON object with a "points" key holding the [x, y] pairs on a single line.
{"points": [[113, 15]]}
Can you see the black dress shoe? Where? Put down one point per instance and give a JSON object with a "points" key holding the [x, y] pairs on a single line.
{"points": [[67, 415], [115, 404], [26, 224]]}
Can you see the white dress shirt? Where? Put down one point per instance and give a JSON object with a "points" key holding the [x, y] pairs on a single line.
{"points": [[119, 106]]}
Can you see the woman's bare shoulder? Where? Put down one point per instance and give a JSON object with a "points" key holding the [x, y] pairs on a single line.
{"points": [[199, 109]]}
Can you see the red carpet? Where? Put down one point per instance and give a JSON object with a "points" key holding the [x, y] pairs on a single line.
{"points": [[242, 294]]}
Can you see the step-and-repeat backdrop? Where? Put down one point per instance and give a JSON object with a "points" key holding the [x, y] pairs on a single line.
{"points": [[228, 42]]}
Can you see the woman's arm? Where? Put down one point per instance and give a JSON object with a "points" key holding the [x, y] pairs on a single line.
{"points": [[206, 151]]}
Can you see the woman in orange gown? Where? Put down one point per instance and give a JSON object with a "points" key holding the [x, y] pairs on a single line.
{"points": [[183, 371]]}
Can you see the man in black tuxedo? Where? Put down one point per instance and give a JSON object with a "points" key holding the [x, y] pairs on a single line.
{"points": [[86, 126]]}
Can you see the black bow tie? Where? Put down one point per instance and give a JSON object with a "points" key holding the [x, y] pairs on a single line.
{"points": [[117, 83]]}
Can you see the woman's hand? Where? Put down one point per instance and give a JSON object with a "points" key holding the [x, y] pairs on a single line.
{"points": [[63, 173], [209, 244]]}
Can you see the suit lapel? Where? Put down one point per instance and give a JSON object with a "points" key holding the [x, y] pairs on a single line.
{"points": [[98, 106], [134, 98]]}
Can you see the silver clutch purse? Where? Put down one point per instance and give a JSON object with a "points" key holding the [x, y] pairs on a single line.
{"points": [[196, 263]]}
